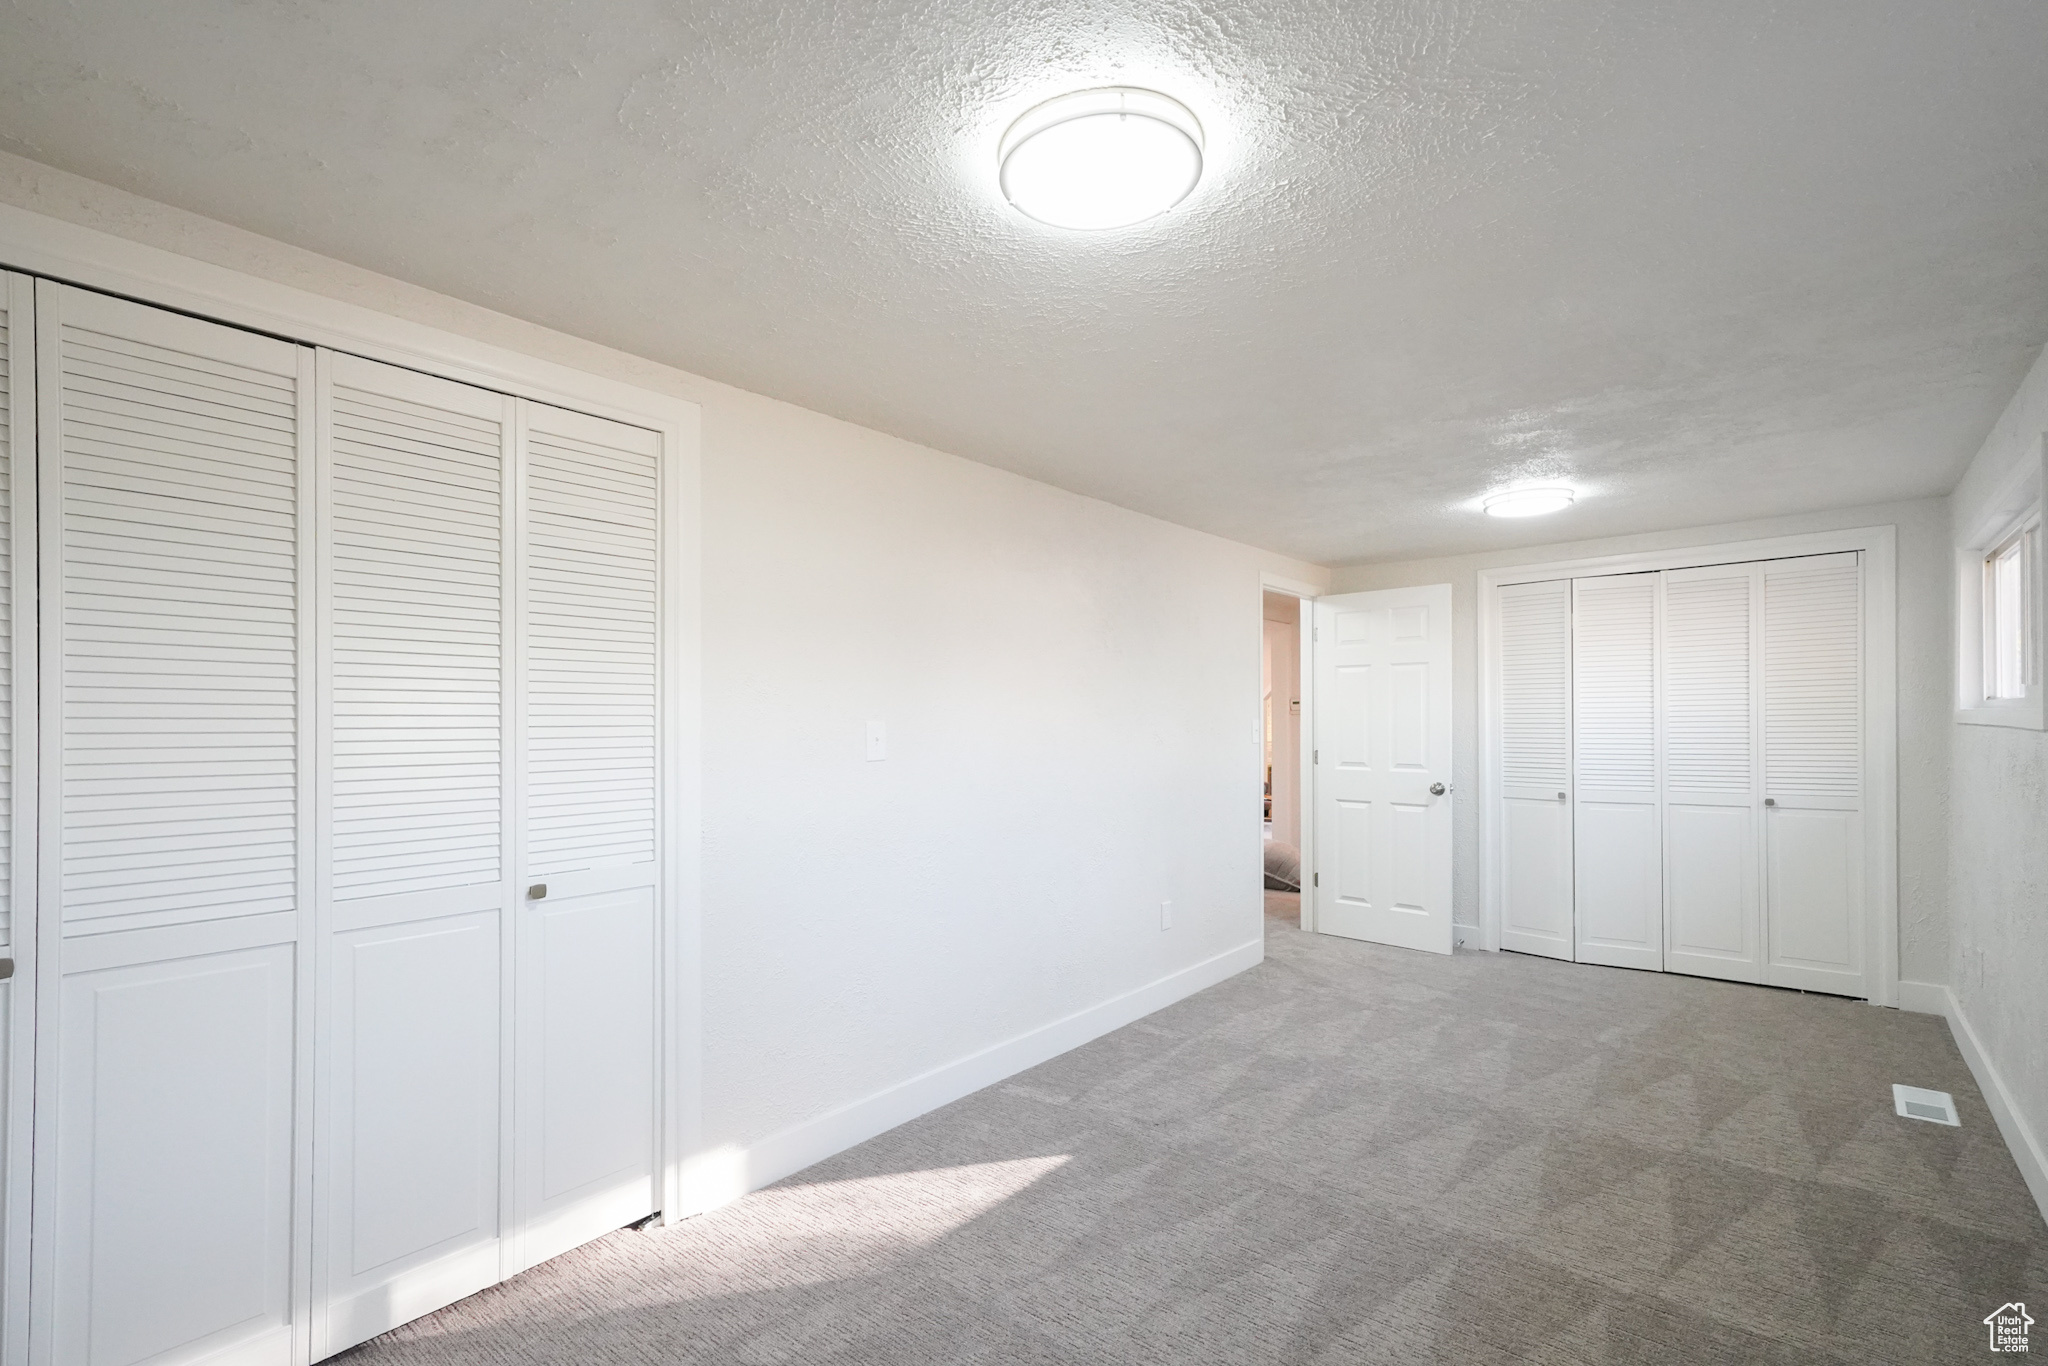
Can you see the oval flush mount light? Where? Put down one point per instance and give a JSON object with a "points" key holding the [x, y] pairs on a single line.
{"points": [[1533, 502], [1101, 158]]}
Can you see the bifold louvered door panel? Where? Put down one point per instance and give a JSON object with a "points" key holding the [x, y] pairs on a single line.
{"points": [[1618, 855], [1534, 687], [1812, 687], [1711, 803], [588, 937], [17, 798], [415, 844], [174, 866]]}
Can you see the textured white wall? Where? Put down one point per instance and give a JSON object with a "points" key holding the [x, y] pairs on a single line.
{"points": [[1719, 260], [1924, 690], [1998, 886], [1071, 692], [1072, 700]]}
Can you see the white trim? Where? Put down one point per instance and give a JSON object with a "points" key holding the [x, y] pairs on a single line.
{"points": [[1280, 583], [2028, 1153], [1879, 546], [681, 1109], [720, 1177], [1304, 737], [1692, 557], [63, 251], [2016, 503]]}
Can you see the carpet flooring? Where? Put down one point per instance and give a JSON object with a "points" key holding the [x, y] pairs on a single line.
{"points": [[1353, 1154]]}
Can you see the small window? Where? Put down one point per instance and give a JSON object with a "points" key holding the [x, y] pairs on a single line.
{"points": [[2008, 616], [2001, 603], [2008, 649]]}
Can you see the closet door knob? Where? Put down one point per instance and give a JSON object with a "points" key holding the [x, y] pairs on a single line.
{"points": [[1560, 796], [1770, 801], [1436, 789], [537, 891]]}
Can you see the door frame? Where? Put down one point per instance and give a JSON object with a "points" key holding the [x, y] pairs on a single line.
{"points": [[1306, 593], [38, 245], [1879, 545]]}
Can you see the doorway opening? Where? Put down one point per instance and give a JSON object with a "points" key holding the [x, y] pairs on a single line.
{"points": [[1280, 754]]}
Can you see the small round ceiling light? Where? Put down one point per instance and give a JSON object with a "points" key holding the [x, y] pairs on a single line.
{"points": [[1533, 502], [1100, 159]]}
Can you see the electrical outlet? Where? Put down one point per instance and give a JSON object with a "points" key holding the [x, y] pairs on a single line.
{"points": [[1166, 915], [878, 742]]}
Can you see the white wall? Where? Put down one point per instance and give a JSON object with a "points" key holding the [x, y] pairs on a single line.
{"points": [[1998, 884], [1072, 698], [1923, 626]]}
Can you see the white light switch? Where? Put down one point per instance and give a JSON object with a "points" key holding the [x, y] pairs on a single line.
{"points": [[1166, 915], [878, 741]]}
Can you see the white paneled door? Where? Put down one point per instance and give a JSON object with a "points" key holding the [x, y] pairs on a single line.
{"points": [[1383, 766], [17, 800], [1813, 773], [415, 843], [1712, 804], [588, 928], [175, 869], [1616, 860], [1534, 776], [345, 923]]}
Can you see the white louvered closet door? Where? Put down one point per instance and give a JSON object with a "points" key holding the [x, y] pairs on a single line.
{"points": [[17, 799], [1812, 685], [1714, 920], [1618, 846], [174, 873], [588, 940], [1534, 817], [415, 853]]}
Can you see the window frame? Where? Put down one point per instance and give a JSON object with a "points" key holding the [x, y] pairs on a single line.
{"points": [[2012, 521], [2020, 548]]}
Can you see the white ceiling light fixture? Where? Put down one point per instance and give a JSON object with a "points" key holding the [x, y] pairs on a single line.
{"points": [[1530, 502], [1100, 159]]}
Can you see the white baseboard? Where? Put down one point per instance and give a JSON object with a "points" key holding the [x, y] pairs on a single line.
{"points": [[720, 1177], [1932, 998]]}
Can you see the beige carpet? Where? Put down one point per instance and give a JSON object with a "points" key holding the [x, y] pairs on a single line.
{"points": [[1348, 1155]]}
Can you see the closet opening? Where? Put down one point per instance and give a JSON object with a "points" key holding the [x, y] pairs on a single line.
{"points": [[1688, 762], [1281, 750]]}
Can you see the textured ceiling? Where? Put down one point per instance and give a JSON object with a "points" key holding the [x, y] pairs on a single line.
{"points": [[1709, 261]]}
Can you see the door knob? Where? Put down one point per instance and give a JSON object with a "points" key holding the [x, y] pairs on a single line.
{"points": [[1436, 789], [1560, 796], [1770, 801], [537, 891]]}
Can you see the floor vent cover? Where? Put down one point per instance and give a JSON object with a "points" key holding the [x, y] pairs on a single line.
{"points": [[1936, 1107]]}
